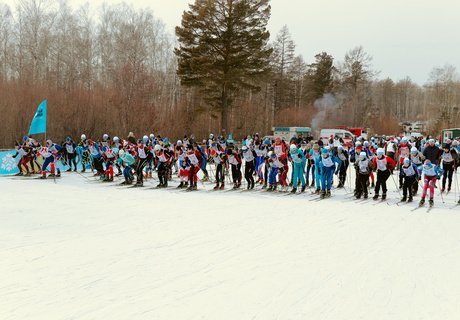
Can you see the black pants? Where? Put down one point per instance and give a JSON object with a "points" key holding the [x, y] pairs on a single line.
{"points": [[163, 173], [382, 177], [72, 159], [220, 177], [236, 173], [361, 183], [141, 163], [343, 172], [447, 175], [97, 163], [408, 186], [249, 172]]}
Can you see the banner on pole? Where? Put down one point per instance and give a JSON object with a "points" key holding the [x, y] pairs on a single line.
{"points": [[38, 124]]}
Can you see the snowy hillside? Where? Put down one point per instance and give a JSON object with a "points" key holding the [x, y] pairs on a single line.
{"points": [[79, 249]]}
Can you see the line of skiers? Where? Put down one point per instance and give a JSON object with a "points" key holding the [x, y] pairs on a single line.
{"points": [[312, 163]]}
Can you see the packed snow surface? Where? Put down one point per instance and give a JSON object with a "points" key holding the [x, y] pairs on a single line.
{"points": [[79, 249]]}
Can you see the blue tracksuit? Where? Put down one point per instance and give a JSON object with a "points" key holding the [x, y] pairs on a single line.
{"points": [[327, 168], [298, 167]]}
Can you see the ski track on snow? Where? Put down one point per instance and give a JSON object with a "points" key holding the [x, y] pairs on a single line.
{"points": [[79, 250]]}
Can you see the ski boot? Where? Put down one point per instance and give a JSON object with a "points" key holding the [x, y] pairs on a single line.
{"points": [[205, 178], [422, 202], [323, 194], [410, 199], [317, 191], [366, 196], [303, 188], [328, 193], [375, 197], [404, 199], [384, 196], [294, 190], [431, 202], [222, 186], [68, 170], [217, 186], [443, 189], [181, 184], [358, 195]]}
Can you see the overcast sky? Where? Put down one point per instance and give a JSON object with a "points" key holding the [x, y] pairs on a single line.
{"points": [[406, 38]]}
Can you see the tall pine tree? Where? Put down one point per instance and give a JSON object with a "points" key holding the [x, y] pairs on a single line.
{"points": [[223, 49]]}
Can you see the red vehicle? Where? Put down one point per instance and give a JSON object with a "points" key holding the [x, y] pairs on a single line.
{"points": [[358, 131]]}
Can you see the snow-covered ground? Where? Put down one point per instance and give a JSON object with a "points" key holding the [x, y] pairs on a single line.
{"points": [[81, 250]]}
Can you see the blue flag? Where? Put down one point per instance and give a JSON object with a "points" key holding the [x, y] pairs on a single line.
{"points": [[38, 124]]}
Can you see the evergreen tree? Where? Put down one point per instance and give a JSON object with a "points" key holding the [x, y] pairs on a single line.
{"points": [[223, 48], [321, 75]]}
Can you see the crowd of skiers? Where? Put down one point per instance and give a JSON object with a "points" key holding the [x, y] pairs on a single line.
{"points": [[275, 163]]}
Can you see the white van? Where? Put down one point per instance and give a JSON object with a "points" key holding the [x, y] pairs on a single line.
{"points": [[346, 135]]}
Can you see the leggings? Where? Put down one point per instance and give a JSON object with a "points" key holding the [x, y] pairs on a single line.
{"points": [[429, 182], [248, 173]]}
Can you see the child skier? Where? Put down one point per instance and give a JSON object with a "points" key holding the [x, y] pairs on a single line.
{"points": [[327, 167], [126, 161], [298, 167], [408, 175], [384, 166], [430, 173], [363, 168]]}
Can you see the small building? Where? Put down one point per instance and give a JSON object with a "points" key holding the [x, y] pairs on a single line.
{"points": [[287, 133], [451, 134]]}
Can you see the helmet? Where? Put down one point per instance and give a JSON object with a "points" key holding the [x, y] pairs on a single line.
{"points": [[404, 140], [324, 151], [105, 137], [363, 155], [414, 150], [179, 142], [157, 148], [83, 137], [26, 138], [121, 153], [245, 148], [68, 139], [116, 139], [145, 138], [211, 136], [152, 136], [340, 147], [366, 143], [294, 149], [267, 141], [431, 141], [49, 142], [380, 151], [358, 144], [406, 161]]}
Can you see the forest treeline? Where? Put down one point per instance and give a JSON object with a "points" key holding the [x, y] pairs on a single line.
{"points": [[119, 70]]}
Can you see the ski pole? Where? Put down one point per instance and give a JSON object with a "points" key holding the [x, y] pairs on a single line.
{"points": [[394, 181], [442, 197]]}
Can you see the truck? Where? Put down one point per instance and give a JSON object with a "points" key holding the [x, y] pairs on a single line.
{"points": [[346, 135], [287, 133]]}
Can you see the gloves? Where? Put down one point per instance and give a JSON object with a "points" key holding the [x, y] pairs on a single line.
{"points": [[336, 172]]}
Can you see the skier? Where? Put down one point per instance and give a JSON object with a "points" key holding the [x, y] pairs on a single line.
{"points": [[298, 168], [315, 158], [275, 165], [24, 158], [384, 166], [408, 173], [85, 154], [449, 163], [162, 166], [180, 155], [249, 158], [109, 158], [126, 161], [144, 156], [342, 154], [431, 173], [50, 154], [234, 160], [70, 154], [327, 167], [194, 158], [363, 168], [96, 156]]}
